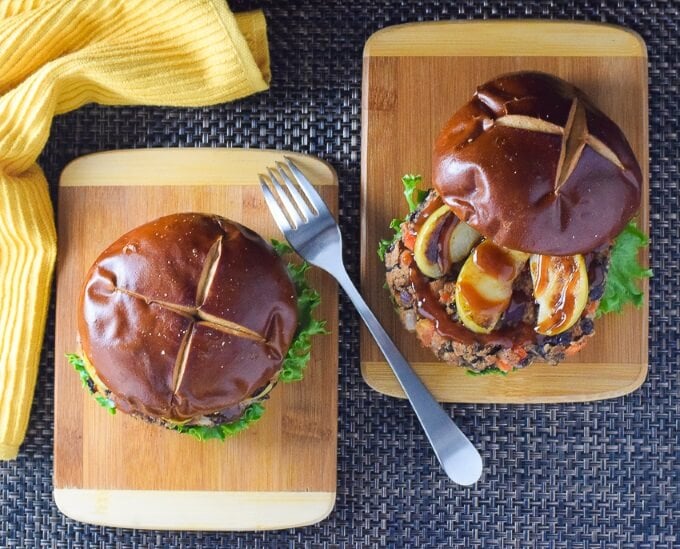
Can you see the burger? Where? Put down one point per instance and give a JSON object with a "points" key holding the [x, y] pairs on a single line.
{"points": [[506, 259], [189, 321]]}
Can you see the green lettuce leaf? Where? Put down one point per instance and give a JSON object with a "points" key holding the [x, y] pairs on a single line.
{"points": [[281, 248], [414, 196], [386, 243], [624, 272], [226, 430], [299, 353], [106, 403], [79, 366]]}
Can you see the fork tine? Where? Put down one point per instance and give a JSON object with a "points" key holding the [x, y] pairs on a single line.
{"points": [[307, 188], [274, 207], [300, 201], [286, 204]]}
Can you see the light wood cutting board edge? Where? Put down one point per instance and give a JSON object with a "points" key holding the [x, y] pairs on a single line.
{"points": [[498, 38], [195, 510], [572, 382], [186, 509]]}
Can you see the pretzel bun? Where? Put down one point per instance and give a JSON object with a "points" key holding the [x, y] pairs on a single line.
{"points": [[187, 316], [533, 165]]}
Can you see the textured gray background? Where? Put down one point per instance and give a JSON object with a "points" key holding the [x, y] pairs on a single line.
{"points": [[586, 475]]}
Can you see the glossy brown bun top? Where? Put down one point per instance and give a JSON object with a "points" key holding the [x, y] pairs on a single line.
{"points": [[187, 315], [533, 165]]}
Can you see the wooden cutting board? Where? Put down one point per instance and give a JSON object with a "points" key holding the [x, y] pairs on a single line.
{"points": [[118, 471], [415, 77]]}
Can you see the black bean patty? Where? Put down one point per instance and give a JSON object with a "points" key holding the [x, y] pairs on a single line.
{"points": [[480, 356]]}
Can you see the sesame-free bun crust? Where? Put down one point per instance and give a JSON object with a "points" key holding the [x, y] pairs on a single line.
{"points": [[532, 164], [186, 316]]}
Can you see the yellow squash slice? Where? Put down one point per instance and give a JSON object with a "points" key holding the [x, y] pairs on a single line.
{"points": [[560, 290], [484, 285]]}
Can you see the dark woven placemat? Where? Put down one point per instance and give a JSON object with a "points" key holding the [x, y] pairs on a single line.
{"points": [[597, 474]]}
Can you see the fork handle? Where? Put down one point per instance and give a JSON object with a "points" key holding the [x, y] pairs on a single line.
{"points": [[458, 457]]}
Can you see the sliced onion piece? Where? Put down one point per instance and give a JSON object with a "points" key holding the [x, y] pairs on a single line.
{"points": [[425, 250], [441, 241]]}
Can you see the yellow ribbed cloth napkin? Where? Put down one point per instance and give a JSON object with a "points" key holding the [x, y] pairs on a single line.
{"points": [[56, 55]]}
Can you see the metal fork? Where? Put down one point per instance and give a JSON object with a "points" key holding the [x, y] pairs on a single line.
{"points": [[311, 230]]}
